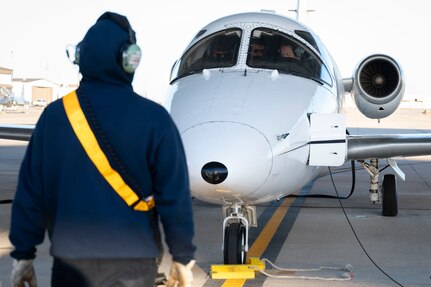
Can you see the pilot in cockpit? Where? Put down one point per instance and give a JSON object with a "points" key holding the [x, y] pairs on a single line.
{"points": [[221, 51], [257, 52], [286, 51], [289, 59], [219, 55]]}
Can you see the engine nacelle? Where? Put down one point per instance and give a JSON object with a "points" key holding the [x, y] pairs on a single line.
{"points": [[378, 86]]}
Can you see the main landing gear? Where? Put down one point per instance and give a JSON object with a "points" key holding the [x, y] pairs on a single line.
{"points": [[238, 219], [388, 195]]}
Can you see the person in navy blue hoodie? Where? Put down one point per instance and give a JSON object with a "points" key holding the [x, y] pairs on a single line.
{"points": [[96, 238]]}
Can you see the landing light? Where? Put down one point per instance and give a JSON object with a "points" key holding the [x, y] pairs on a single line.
{"points": [[214, 172]]}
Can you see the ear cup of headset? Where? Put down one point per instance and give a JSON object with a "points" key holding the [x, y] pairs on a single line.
{"points": [[130, 57], [76, 60]]}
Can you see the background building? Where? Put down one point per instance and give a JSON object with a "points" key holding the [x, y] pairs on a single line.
{"points": [[32, 89]]}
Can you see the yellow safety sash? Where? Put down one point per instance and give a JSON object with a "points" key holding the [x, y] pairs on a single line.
{"points": [[92, 148]]}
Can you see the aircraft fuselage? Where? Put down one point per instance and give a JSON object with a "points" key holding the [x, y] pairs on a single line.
{"points": [[249, 122]]}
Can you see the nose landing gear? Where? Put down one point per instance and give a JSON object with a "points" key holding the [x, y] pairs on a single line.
{"points": [[235, 244], [238, 219]]}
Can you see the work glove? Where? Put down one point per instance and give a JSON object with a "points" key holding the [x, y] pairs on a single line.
{"points": [[22, 272], [181, 275]]}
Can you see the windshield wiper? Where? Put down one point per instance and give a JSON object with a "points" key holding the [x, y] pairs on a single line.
{"points": [[192, 72]]}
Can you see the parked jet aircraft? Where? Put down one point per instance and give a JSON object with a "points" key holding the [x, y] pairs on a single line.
{"points": [[257, 99], [9, 100]]}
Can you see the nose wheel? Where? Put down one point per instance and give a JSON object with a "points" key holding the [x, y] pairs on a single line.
{"points": [[238, 219], [234, 249]]}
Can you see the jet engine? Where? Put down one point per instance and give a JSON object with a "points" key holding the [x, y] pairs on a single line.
{"points": [[378, 86]]}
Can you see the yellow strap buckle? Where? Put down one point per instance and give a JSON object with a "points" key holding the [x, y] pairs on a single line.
{"points": [[144, 204]]}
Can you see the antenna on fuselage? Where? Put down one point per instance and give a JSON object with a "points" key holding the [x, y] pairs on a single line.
{"points": [[296, 10], [298, 2]]}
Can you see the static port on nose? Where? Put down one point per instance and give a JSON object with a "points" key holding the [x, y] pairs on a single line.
{"points": [[214, 172]]}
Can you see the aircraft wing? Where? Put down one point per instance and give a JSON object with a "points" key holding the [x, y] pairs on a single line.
{"points": [[330, 146], [387, 146], [359, 147], [16, 132]]}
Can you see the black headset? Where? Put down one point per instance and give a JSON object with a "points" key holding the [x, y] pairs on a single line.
{"points": [[130, 53]]}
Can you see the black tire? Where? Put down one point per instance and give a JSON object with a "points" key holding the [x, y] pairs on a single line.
{"points": [[389, 196], [234, 242]]}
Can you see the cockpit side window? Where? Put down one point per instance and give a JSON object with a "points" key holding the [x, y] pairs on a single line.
{"points": [[219, 50], [271, 49], [307, 37]]}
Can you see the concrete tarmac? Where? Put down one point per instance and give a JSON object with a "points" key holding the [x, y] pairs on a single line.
{"points": [[312, 232]]}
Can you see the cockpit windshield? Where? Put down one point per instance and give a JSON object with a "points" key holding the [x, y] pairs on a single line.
{"points": [[219, 50], [271, 49]]}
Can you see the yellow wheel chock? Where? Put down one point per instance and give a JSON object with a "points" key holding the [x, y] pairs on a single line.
{"points": [[254, 264], [237, 271]]}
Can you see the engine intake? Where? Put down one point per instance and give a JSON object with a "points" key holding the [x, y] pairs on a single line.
{"points": [[378, 86]]}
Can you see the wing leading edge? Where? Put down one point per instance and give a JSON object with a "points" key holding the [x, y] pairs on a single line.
{"points": [[387, 146], [359, 147]]}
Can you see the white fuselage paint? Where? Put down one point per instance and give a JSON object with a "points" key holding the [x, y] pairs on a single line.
{"points": [[254, 121]]}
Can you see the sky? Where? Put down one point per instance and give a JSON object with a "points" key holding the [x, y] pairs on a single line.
{"points": [[35, 33]]}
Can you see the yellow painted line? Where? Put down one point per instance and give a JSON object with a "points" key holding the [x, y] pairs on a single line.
{"points": [[262, 241], [234, 283]]}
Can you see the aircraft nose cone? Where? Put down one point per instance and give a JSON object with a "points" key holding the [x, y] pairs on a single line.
{"points": [[214, 172], [226, 160]]}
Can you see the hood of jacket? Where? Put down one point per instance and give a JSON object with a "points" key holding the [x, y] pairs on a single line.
{"points": [[100, 53]]}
